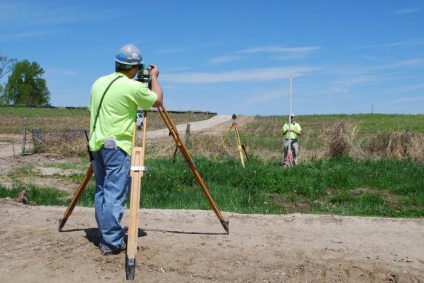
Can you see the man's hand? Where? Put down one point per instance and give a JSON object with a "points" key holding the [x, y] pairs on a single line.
{"points": [[155, 86], [153, 71]]}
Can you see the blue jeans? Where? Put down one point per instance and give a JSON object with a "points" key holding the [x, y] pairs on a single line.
{"points": [[111, 171]]}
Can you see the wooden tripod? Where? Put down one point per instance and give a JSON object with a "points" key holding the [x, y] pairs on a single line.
{"points": [[175, 135], [137, 171], [240, 146]]}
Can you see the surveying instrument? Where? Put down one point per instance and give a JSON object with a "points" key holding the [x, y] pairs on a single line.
{"points": [[288, 159], [240, 146], [136, 172]]}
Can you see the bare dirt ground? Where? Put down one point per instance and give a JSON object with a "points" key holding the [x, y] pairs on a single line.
{"points": [[192, 246]]}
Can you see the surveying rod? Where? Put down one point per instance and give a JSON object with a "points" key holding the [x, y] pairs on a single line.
{"points": [[289, 150], [290, 109]]}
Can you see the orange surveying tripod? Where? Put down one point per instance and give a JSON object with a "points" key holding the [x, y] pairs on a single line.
{"points": [[137, 171], [240, 146]]}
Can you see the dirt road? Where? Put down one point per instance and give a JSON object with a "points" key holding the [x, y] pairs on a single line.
{"points": [[194, 126], [191, 246]]}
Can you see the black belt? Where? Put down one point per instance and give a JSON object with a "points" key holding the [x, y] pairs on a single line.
{"points": [[293, 140]]}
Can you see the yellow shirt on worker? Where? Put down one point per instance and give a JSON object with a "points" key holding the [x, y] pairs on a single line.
{"points": [[295, 127], [118, 110]]}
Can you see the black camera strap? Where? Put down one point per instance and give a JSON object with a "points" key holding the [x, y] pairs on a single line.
{"points": [[100, 104]]}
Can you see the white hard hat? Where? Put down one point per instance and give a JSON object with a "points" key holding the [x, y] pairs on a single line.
{"points": [[128, 56], [292, 115]]}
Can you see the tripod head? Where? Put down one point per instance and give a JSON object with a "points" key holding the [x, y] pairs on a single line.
{"points": [[143, 75]]}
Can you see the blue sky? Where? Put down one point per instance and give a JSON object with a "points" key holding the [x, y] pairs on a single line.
{"points": [[349, 57]]}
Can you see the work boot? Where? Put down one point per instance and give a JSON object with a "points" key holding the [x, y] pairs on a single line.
{"points": [[118, 251]]}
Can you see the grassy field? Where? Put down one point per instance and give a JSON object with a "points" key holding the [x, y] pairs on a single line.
{"points": [[78, 118], [366, 165], [56, 119]]}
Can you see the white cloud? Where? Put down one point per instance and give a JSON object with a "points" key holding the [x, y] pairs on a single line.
{"points": [[358, 80], [266, 74], [265, 96], [407, 63], [54, 12], [170, 51], [277, 49], [406, 11], [9, 12], [59, 72], [224, 59], [24, 35], [393, 44]]}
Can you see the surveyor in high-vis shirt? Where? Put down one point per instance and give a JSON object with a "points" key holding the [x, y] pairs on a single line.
{"points": [[291, 135], [114, 101]]}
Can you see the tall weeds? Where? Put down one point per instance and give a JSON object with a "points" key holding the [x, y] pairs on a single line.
{"points": [[397, 145], [262, 139]]}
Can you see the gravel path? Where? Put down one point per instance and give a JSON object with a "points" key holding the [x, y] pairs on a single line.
{"points": [[194, 126]]}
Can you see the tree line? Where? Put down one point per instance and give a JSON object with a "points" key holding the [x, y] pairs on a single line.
{"points": [[25, 84]]}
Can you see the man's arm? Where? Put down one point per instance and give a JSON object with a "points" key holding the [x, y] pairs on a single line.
{"points": [[284, 130], [298, 130], [155, 86]]}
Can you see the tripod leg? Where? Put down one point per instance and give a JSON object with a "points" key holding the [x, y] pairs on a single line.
{"points": [[174, 132], [239, 147], [76, 197], [245, 153], [137, 172], [223, 142], [174, 156], [242, 145]]}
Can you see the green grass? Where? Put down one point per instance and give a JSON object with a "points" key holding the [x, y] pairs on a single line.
{"points": [[61, 119], [385, 188], [367, 123], [47, 112], [344, 186], [38, 196]]}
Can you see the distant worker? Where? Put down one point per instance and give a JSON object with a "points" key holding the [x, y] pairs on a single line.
{"points": [[292, 133], [113, 109]]}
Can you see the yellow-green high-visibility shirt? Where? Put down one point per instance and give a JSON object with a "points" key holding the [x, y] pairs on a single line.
{"points": [[294, 127], [118, 110]]}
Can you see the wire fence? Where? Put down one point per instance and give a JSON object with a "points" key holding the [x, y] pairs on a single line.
{"points": [[316, 143], [206, 143]]}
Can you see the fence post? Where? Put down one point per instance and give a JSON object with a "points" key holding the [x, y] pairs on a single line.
{"points": [[187, 137], [35, 136], [24, 136]]}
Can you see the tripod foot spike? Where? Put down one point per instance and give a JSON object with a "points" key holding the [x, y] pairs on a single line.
{"points": [[61, 224], [226, 225], [130, 268]]}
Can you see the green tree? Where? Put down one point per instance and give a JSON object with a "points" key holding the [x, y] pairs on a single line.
{"points": [[6, 66], [26, 85]]}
